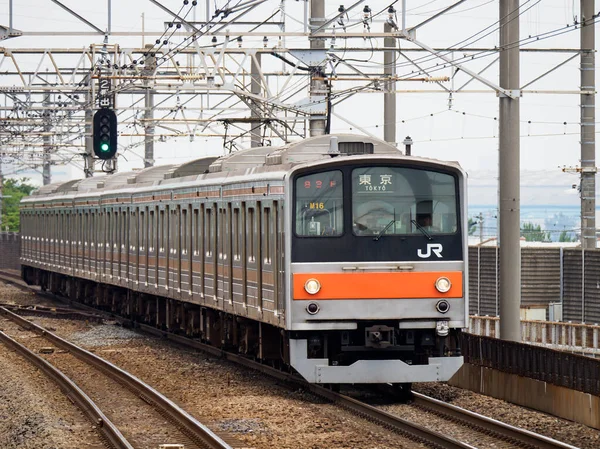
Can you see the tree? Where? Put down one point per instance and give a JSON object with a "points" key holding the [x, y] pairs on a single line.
{"points": [[13, 191], [566, 237], [534, 233], [472, 226]]}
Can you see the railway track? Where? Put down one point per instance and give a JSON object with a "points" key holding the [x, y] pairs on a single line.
{"points": [[130, 401], [417, 432]]}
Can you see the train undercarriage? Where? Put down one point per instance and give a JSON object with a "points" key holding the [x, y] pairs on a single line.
{"points": [[379, 351]]}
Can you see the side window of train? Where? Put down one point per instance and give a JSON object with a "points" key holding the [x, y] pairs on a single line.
{"points": [[267, 235], [236, 234], [319, 204], [251, 224]]}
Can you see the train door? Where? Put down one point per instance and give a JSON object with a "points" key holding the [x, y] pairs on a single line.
{"points": [[268, 275], [124, 246], [114, 239], [221, 239], [92, 243], [107, 222], [210, 260], [174, 250], [278, 257], [163, 226], [152, 267], [228, 258], [132, 247], [238, 259], [142, 276], [253, 266], [185, 260], [197, 271]]}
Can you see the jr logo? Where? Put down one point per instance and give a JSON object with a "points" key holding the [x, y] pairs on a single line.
{"points": [[435, 248]]}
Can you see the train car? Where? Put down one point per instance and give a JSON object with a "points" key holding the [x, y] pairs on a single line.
{"points": [[336, 255]]}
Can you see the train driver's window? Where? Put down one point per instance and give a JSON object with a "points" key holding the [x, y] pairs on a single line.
{"points": [[402, 200], [319, 205]]}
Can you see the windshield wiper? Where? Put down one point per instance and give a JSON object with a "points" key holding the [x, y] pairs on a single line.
{"points": [[383, 230], [422, 229]]}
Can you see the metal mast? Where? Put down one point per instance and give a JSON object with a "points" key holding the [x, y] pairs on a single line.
{"points": [[150, 67], [47, 139], [317, 86], [588, 127], [509, 190], [389, 97]]}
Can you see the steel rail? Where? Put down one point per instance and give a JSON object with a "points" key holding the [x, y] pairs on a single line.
{"points": [[521, 436], [473, 419], [391, 422], [195, 430], [108, 431]]}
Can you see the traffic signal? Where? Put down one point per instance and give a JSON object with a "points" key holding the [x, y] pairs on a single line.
{"points": [[105, 133]]}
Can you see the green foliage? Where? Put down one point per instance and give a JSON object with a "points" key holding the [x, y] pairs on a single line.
{"points": [[472, 226], [13, 191], [565, 237], [534, 233]]}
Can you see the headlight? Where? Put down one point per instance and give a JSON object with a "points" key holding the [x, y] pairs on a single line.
{"points": [[443, 284], [312, 286]]}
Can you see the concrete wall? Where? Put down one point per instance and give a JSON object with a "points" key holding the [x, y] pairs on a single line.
{"points": [[570, 404], [10, 250]]}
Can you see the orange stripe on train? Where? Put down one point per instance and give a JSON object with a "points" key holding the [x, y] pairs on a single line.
{"points": [[378, 285]]}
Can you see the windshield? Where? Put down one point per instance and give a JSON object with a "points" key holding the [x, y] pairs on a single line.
{"points": [[319, 205], [399, 201]]}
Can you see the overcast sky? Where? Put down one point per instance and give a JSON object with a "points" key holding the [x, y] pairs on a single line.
{"points": [[466, 131]]}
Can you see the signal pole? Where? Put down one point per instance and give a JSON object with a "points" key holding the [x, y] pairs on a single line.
{"points": [[89, 139], [389, 97], [509, 167], [46, 159], [317, 86], [588, 127]]}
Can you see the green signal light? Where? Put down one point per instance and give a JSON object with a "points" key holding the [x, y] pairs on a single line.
{"points": [[104, 147]]}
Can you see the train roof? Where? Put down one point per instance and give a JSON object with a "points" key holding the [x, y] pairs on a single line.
{"points": [[268, 161]]}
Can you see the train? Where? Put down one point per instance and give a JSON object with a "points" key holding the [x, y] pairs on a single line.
{"points": [[336, 255]]}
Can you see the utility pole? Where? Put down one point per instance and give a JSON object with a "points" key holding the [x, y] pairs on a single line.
{"points": [[389, 96], [480, 227], [509, 167], [47, 138], [149, 68], [588, 127], [89, 138], [317, 85], [255, 88]]}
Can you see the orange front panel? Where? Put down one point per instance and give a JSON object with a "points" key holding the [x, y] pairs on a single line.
{"points": [[378, 285]]}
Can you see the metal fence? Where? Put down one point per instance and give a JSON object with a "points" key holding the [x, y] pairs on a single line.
{"points": [[556, 367], [571, 337], [568, 276], [10, 250]]}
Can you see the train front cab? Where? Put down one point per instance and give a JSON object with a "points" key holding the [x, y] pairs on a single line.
{"points": [[377, 291]]}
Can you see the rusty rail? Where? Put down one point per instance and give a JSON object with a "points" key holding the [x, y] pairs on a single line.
{"points": [[105, 427], [195, 430]]}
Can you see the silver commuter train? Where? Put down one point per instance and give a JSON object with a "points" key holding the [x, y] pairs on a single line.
{"points": [[335, 255]]}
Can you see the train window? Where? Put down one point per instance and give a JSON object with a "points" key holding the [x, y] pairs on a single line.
{"points": [[209, 233], [251, 231], [267, 235], [319, 205], [237, 234], [401, 200], [195, 232], [184, 230]]}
